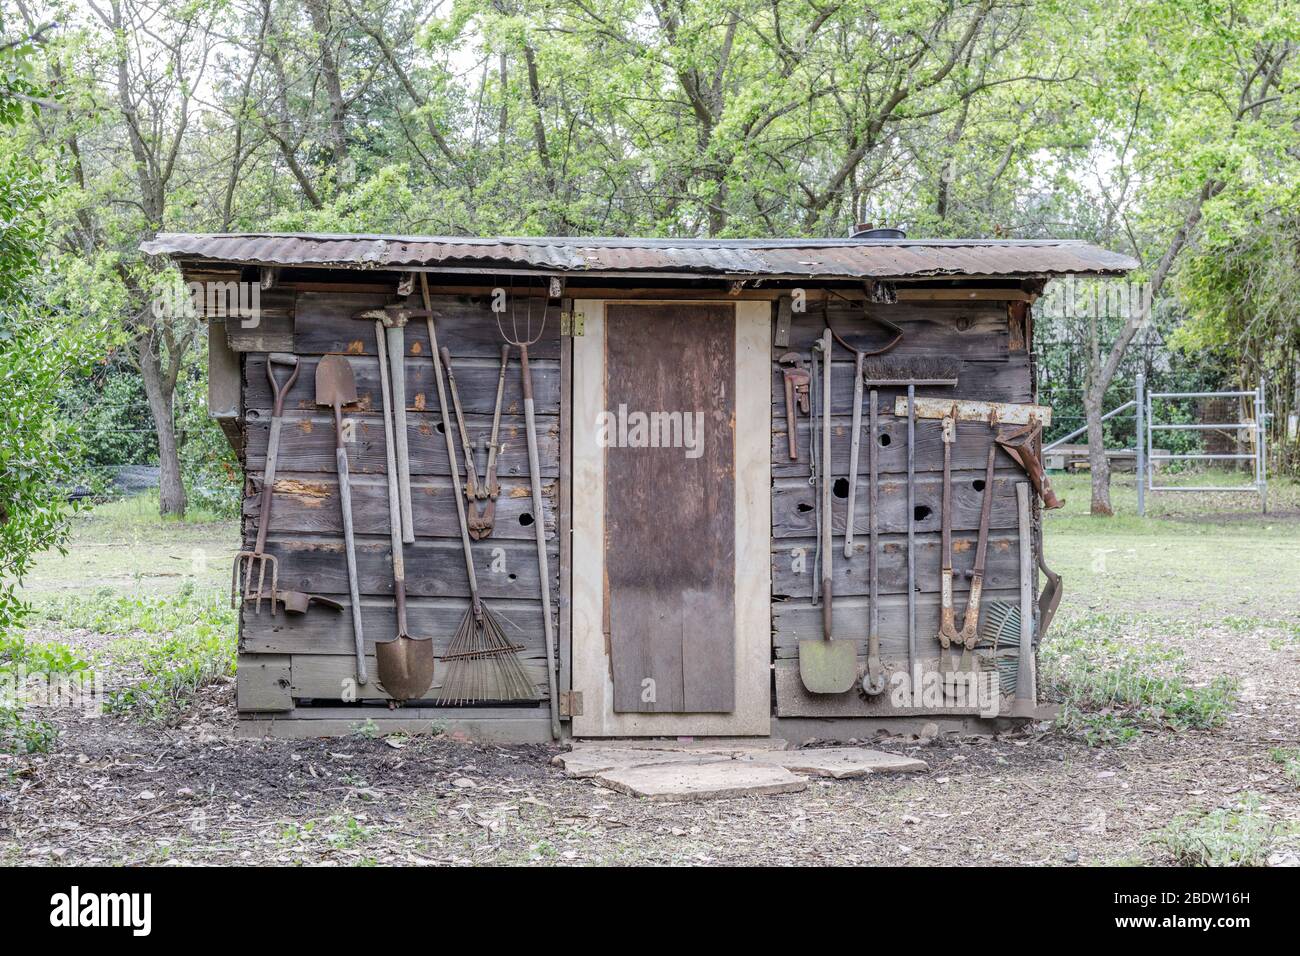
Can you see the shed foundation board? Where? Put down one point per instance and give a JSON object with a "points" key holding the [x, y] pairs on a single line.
{"points": [[721, 780]]}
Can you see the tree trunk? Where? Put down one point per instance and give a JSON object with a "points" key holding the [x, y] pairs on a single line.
{"points": [[1098, 464], [162, 401]]}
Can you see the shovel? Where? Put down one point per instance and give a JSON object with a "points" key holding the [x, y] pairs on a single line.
{"points": [[336, 386], [405, 664], [827, 666]]}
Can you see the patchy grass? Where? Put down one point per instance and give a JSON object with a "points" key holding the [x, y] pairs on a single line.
{"points": [[127, 546], [191, 645], [162, 649], [107, 611], [1289, 758], [1240, 835], [1117, 677]]}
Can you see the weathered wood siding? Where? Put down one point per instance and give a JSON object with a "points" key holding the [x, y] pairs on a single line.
{"points": [[287, 661], [993, 367]]}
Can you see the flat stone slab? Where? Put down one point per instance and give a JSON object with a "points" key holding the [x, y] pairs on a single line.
{"points": [[841, 763], [585, 762], [712, 780]]}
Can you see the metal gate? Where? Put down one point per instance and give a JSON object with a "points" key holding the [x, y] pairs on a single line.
{"points": [[1147, 426]]}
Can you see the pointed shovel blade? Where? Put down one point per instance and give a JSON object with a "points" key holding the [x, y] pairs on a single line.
{"points": [[335, 383], [405, 667]]}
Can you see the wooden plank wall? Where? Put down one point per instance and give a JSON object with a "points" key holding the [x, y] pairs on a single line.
{"points": [[309, 658], [993, 367]]}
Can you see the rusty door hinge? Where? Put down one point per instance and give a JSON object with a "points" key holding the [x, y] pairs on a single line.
{"points": [[570, 703], [572, 323]]}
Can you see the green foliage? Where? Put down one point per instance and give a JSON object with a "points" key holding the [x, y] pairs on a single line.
{"points": [[1116, 679], [213, 481], [188, 644], [171, 646], [1289, 758], [21, 730], [39, 349], [1240, 835]]}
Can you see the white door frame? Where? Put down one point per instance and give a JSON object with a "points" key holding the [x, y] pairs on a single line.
{"points": [[753, 464]]}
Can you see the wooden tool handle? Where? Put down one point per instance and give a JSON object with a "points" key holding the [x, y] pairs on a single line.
{"points": [[350, 551]]}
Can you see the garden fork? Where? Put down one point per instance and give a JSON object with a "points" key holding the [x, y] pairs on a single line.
{"points": [[258, 556]]}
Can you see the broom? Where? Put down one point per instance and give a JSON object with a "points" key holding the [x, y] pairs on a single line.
{"points": [[481, 663]]}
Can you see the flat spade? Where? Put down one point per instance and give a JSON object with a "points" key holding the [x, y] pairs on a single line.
{"points": [[336, 386], [827, 666]]}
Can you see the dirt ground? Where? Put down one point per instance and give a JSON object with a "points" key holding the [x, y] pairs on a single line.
{"points": [[1223, 592]]}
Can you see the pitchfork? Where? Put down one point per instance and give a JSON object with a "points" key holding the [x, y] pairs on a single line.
{"points": [[534, 471], [258, 556]]}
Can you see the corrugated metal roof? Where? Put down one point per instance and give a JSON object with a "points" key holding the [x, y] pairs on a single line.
{"points": [[794, 258]]}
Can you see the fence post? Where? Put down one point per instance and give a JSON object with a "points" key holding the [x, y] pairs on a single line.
{"points": [[1140, 466], [1261, 436]]}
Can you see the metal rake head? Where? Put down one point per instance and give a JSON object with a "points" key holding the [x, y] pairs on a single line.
{"points": [[245, 560]]}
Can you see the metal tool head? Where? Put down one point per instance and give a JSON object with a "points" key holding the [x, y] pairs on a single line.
{"points": [[244, 562], [405, 667], [297, 602], [335, 382], [828, 667]]}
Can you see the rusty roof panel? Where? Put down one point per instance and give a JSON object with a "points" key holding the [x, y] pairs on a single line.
{"points": [[810, 258]]}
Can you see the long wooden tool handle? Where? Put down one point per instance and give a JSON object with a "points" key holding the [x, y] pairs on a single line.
{"points": [[471, 476], [449, 440], [397, 364], [792, 440], [543, 570], [1025, 691], [350, 550], [828, 545], [873, 526], [911, 527], [268, 487], [493, 489], [855, 446], [390, 471]]}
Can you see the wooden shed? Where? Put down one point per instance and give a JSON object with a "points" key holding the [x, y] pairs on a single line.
{"points": [[682, 530]]}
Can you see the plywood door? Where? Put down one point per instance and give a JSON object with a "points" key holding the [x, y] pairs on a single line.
{"points": [[670, 570], [669, 439]]}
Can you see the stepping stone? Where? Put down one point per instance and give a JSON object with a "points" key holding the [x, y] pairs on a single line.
{"points": [[589, 761], [841, 763], [716, 780]]}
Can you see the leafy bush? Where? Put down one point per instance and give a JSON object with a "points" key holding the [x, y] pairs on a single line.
{"points": [[1112, 689]]}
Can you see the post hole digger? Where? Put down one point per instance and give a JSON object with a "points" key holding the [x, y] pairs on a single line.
{"points": [[481, 518], [245, 560]]}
